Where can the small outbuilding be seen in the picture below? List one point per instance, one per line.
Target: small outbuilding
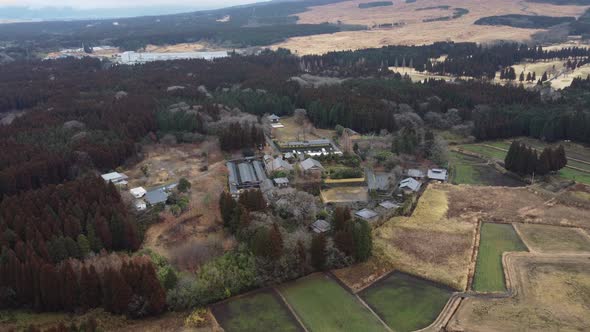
(274, 118)
(320, 226)
(389, 205)
(115, 178)
(438, 174)
(138, 192)
(156, 196)
(140, 205)
(366, 214)
(281, 182)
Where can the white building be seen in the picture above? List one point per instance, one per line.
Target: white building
(138, 192)
(438, 174)
(140, 205)
(115, 178)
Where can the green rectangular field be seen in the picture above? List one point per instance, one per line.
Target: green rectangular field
(260, 311)
(494, 241)
(406, 303)
(475, 171)
(485, 151)
(323, 305)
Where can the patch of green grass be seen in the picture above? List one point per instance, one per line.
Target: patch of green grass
(575, 175)
(406, 303)
(474, 171)
(485, 151)
(324, 305)
(262, 311)
(495, 240)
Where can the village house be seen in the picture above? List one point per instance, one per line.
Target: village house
(245, 174)
(118, 179)
(415, 174)
(438, 174)
(410, 185)
(274, 118)
(140, 205)
(311, 166)
(277, 165)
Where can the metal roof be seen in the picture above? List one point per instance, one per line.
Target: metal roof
(114, 177)
(259, 170)
(437, 174)
(310, 163)
(246, 173)
(366, 214)
(411, 184)
(415, 173)
(320, 226)
(138, 192)
(156, 196)
(389, 205)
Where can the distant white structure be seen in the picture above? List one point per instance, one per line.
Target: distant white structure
(438, 174)
(115, 178)
(137, 57)
(138, 192)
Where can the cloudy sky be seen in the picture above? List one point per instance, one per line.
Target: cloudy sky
(93, 4)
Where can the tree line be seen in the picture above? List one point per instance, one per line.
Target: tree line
(525, 160)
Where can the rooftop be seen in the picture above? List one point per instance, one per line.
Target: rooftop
(114, 177)
(156, 196)
(411, 184)
(138, 192)
(437, 174)
(389, 205)
(281, 181)
(310, 163)
(320, 226)
(366, 214)
(415, 173)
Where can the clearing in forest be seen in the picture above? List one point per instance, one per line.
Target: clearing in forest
(429, 244)
(259, 311)
(494, 241)
(323, 305)
(406, 303)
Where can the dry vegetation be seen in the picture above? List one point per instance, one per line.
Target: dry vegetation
(552, 293)
(345, 195)
(508, 205)
(294, 131)
(361, 275)
(197, 235)
(413, 31)
(429, 244)
(182, 48)
(553, 239)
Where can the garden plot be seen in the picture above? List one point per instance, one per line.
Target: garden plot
(345, 194)
(494, 241)
(475, 171)
(260, 311)
(323, 305)
(429, 244)
(554, 239)
(552, 294)
(406, 303)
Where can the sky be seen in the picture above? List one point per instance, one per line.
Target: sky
(94, 4)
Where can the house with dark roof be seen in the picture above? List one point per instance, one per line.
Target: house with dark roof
(245, 174)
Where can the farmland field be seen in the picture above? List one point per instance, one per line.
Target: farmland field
(495, 240)
(345, 194)
(406, 303)
(429, 244)
(554, 239)
(552, 294)
(323, 305)
(261, 311)
(474, 171)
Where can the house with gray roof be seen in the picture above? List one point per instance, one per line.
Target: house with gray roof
(245, 174)
(156, 196)
(410, 185)
(416, 174)
(389, 205)
(311, 165)
(115, 178)
(367, 215)
(274, 118)
(281, 182)
(438, 174)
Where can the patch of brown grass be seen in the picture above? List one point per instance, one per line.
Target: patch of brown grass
(413, 31)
